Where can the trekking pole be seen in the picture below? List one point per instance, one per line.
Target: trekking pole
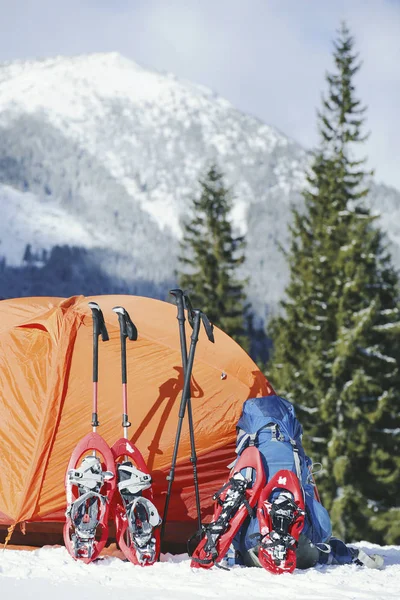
(127, 329)
(209, 331)
(179, 298)
(99, 328)
(195, 317)
(181, 303)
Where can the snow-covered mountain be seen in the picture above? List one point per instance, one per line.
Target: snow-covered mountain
(97, 152)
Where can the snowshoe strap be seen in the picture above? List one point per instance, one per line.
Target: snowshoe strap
(217, 495)
(236, 482)
(234, 498)
(197, 534)
(284, 511)
(131, 479)
(89, 476)
(143, 517)
(205, 561)
(222, 567)
(84, 512)
(277, 544)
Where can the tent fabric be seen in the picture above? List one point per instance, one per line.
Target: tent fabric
(46, 400)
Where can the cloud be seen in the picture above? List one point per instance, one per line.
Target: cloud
(268, 57)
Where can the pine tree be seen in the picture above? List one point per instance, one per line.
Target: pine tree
(334, 353)
(360, 405)
(210, 256)
(28, 256)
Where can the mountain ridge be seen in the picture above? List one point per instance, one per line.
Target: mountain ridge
(118, 149)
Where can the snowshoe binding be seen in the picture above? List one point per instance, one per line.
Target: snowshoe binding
(234, 502)
(89, 490)
(281, 516)
(137, 519)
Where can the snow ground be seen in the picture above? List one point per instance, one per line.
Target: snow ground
(50, 572)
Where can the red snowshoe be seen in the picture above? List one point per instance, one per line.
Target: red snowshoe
(90, 487)
(136, 518)
(281, 515)
(234, 502)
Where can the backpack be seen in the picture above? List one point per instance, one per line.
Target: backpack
(268, 513)
(270, 424)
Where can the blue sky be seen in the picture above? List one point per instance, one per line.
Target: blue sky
(268, 57)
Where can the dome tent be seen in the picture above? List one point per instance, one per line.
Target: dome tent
(45, 403)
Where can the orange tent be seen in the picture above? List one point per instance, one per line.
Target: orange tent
(46, 391)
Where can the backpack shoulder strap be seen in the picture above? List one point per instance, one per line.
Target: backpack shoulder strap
(296, 457)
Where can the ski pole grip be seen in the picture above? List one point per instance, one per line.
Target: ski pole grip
(190, 310)
(122, 324)
(179, 297)
(126, 326)
(99, 326)
(208, 326)
(196, 314)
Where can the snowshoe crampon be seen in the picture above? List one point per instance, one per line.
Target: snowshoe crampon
(136, 518)
(234, 502)
(89, 488)
(281, 517)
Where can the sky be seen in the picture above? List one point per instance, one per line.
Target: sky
(268, 57)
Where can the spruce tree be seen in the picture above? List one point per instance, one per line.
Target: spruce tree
(362, 402)
(210, 256)
(335, 355)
